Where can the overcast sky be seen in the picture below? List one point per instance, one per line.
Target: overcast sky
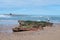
(30, 7)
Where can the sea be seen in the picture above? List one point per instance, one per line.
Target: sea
(10, 21)
(52, 18)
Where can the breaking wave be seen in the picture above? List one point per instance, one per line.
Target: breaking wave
(5, 16)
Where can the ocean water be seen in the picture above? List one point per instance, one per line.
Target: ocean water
(52, 18)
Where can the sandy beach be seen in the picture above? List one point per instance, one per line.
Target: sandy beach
(52, 33)
(29, 19)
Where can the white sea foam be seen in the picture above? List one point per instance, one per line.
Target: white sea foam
(36, 16)
(5, 16)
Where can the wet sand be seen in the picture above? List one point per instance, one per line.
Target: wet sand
(52, 33)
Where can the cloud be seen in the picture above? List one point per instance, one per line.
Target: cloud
(29, 6)
(21, 3)
(13, 3)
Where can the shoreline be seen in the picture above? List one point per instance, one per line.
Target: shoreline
(6, 27)
(52, 33)
(17, 21)
(11, 24)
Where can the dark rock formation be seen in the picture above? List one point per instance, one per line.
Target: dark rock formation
(31, 25)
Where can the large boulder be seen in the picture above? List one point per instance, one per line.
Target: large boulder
(31, 25)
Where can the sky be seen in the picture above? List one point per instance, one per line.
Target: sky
(30, 7)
